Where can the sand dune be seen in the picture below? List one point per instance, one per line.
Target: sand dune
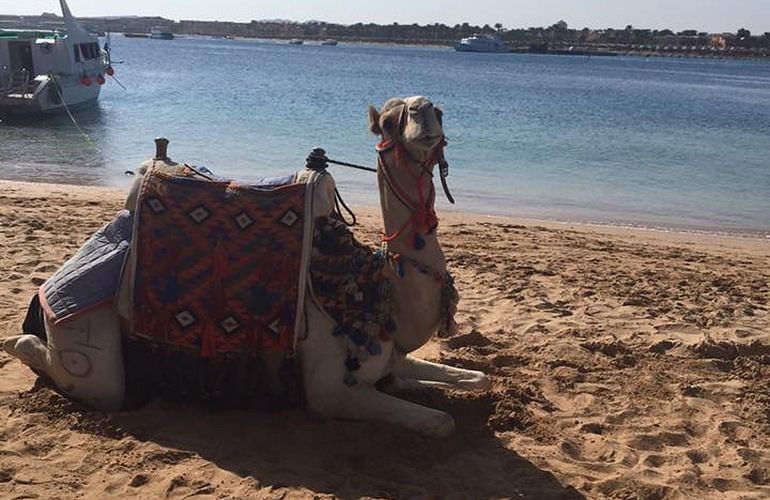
(626, 364)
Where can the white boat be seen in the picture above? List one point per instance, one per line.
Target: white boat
(296, 41)
(480, 43)
(329, 42)
(50, 71)
(158, 33)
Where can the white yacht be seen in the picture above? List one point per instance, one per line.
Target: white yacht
(50, 71)
(159, 33)
(480, 43)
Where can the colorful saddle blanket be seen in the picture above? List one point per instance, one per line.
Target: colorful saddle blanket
(220, 268)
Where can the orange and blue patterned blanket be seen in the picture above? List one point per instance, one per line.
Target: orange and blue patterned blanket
(219, 266)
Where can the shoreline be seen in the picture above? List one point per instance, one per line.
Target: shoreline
(760, 236)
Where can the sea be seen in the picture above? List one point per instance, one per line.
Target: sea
(663, 143)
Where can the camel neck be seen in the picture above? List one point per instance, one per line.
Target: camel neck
(403, 187)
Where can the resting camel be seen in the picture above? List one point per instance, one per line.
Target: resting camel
(84, 357)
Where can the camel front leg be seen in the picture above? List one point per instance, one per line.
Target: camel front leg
(433, 374)
(364, 402)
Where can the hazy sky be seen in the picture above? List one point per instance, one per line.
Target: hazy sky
(706, 15)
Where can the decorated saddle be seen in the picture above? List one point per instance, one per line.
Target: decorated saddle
(220, 267)
(214, 286)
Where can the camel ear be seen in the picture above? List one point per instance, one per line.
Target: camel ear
(374, 121)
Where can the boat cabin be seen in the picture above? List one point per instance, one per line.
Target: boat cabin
(27, 54)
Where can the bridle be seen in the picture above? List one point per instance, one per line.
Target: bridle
(422, 217)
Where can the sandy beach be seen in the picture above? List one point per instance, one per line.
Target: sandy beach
(626, 364)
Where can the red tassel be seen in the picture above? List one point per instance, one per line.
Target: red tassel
(218, 271)
(209, 341)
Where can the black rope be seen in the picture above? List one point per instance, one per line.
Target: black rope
(351, 165)
(443, 168)
(339, 201)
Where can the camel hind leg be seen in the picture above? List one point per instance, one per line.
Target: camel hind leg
(30, 350)
(82, 356)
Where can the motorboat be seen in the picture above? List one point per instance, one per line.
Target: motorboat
(329, 41)
(296, 41)
(51, 71)
(480, 43)
(160, 34)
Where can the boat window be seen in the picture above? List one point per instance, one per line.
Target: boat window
(77, 52)
(89, 50)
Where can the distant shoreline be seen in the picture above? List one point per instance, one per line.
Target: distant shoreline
(578, 51)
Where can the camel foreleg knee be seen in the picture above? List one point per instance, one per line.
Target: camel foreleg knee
(364, 402)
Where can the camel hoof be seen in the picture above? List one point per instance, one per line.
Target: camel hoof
(475, 381)
(11, 345)
(28, 349)
(441, 426)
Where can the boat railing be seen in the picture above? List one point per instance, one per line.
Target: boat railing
(6, 77)
(15, 81)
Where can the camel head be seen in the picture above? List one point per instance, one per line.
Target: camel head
(412, 122)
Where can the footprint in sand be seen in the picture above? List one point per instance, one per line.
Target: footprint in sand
(655, 461)
(735, 431)
(697, 456)
(475, 338)
(658, 442)
(139, 480)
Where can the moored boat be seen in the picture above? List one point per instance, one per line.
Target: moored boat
(329, 41)
(160, 34)
(50, 71)
(480, 43)
(296, 41)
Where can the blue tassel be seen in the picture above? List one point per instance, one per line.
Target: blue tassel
(374, 347)
(359, 338)
(350, 379)
(419, 241)
(352, 364)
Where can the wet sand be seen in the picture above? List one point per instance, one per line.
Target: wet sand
(626, 364)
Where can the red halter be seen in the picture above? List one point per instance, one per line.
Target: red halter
(423, 218)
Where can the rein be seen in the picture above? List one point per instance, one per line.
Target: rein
(317, 160)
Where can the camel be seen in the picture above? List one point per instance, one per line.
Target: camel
(84, 359)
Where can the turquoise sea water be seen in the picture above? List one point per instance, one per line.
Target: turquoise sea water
(656, 142)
